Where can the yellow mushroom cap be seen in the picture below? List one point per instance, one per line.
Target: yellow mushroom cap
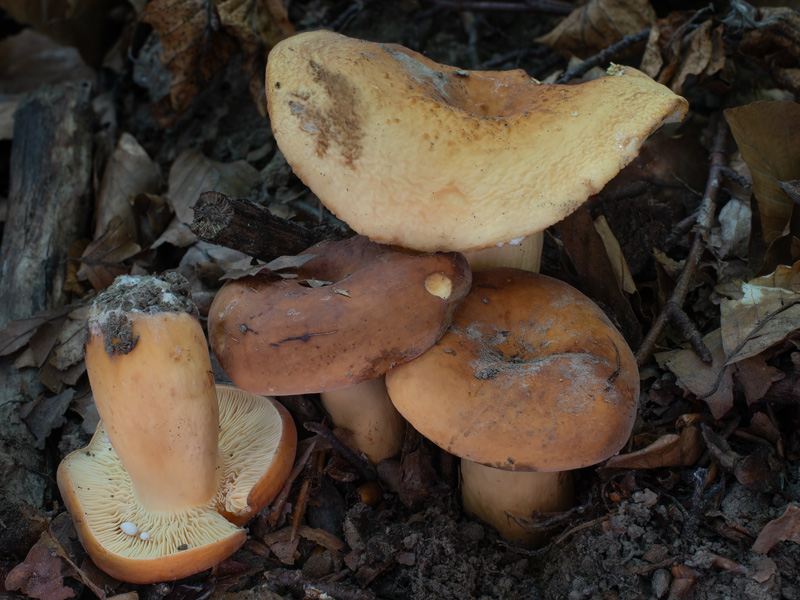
(431, 157)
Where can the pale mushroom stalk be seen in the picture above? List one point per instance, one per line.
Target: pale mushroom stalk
(367, 412)
(523, 253)
(156, 396)
(507, 500)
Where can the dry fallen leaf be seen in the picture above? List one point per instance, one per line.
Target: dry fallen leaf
(18, 333)
(129, 172)
(597, 25)
(103, 258)
(730, 239)
(755, 377)
(39, 576)
(678, 48)
(194, 49)
(45, 338)
(670, 450)
(615, 256)
(768, 136)
(755, 471)
(275, 266)
(762, 317)
(153, 214)
(785, 527)
(83, 24)
(45, 414)
(775, 45)
(587, 251)
(71, 338)
(192, 174)
(199, 37)
(257, 25)
(703, 55)
(711, 383)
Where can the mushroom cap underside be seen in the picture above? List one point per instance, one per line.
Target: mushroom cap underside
(347, 316)
(432, 157)
(530, 376)
(257, 445)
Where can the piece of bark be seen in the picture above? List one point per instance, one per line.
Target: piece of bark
(247, 227)
(49, 197)
(49, 208)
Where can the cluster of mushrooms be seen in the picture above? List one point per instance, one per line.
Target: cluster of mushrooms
(433, 315)
(434, 312)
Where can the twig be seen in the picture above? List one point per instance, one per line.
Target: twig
(294, 580)
(683, 227)
(553, 7)
(280, 500)
(344, 19)
(578, 528)
(698, 480)
(252, 229)
(672, 311)
(681, 320)
(514, 57)
(735, 177)
(363, 466)
(605, 55)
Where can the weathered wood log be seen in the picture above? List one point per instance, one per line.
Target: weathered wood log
(49, 208)
(247, 227)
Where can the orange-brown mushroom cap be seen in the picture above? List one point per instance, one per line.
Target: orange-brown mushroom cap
(432, 157)
(377, 308)
(531, 376)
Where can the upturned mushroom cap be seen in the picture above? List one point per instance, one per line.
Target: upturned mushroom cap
(376, 308)
(432, 157)
(531, 376)
(257, 445)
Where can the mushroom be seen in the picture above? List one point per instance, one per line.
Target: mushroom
(432, 157)
(530, 381)
(176, 465)
(341, 320)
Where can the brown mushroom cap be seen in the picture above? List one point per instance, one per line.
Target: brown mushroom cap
(378, 308)
(531, 376)
(257, 444)
(431, 157)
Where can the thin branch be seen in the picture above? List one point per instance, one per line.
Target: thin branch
(604, 56)
(362, 465)
(705, 219)
(316, 590)
(553, 7)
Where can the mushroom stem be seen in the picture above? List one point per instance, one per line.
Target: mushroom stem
(151, 378)
(506, 500)
(366, 410)
(525, 253)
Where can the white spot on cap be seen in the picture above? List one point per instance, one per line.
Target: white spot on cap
(439, 285)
